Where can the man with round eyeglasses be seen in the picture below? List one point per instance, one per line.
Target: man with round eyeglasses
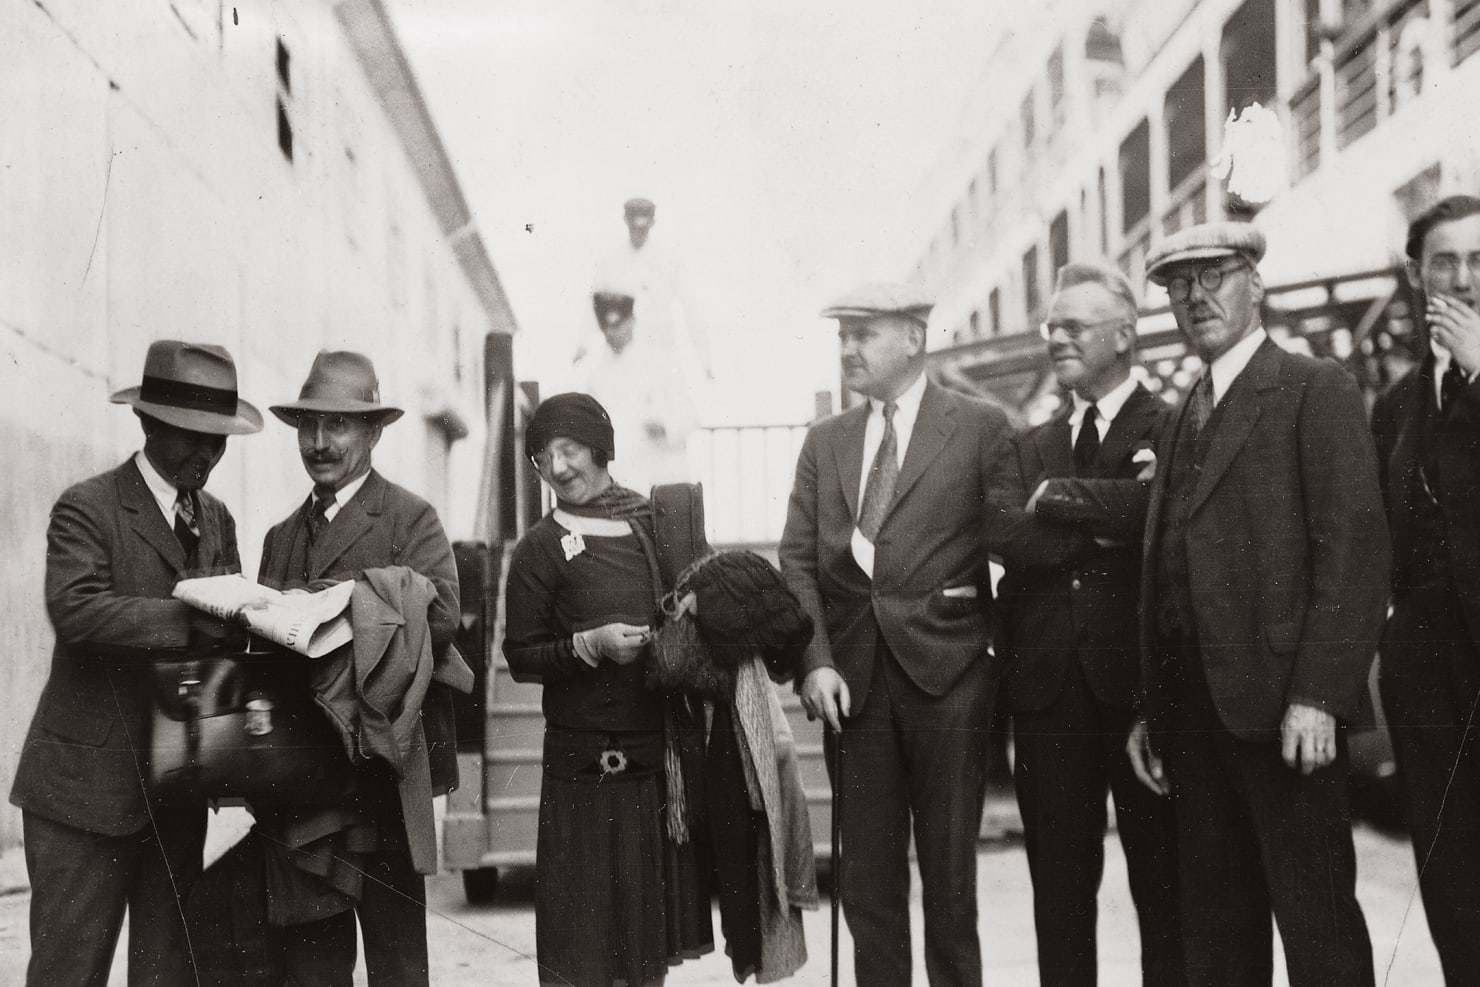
(1427, 428)
(1179, 289)
(1264, 577)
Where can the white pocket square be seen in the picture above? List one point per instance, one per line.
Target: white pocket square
(959, 592)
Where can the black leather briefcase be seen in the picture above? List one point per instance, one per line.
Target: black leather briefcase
(245, 725)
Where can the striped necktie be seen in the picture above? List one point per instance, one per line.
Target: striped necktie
(882, 476)
(187, 528)
(318, 518)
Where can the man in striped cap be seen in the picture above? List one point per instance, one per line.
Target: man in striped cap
(1264, 577)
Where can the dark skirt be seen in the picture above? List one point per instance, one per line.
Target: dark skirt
(616, 903)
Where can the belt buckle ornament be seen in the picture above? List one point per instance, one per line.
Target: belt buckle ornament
(612, 761)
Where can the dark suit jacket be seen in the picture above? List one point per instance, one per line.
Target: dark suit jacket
(932, 538)
(1065, 598)
(111, 563)
(1396, 423)
(1287, 548)
(383, 524)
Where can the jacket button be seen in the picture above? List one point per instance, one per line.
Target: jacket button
(1076, 584)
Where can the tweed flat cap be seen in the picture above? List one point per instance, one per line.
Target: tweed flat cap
(1205, 241)
(882, 298)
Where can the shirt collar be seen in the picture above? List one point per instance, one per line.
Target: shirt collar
(163, 491)
(1226, 368)
(1106, 407)
(1441, 359)
(347, 492)
(907, 404)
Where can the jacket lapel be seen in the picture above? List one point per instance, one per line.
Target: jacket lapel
(210, 550)
(1055, 446)
(348, 526)
(1136, 417)
(1242, 406)
(145, 517)
(848, 454)
(933, 426)
(1411, 399)
(1166, 445)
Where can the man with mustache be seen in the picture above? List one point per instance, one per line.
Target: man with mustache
(96, 846)
(354, 519)
(885, 547)
(1263, 583)
(1069, 501)
(1427, 427)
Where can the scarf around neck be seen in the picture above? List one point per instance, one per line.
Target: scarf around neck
(615, 502)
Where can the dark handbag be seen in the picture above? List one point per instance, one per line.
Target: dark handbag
(245, 725)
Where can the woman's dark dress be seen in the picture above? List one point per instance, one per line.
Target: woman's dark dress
(616, 902)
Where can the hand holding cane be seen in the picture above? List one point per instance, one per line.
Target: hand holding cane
(837, 845)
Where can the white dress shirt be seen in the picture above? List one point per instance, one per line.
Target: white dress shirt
(1106, 408)
(906, 410)
(344, 495)
(1442, 359)
(163, 491)
(1226, 368)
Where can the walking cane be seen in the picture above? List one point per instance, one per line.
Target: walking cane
(837, 845)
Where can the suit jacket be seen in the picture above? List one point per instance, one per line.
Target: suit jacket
(1397, 422)
(111, 563)
(383, 524)
(1065, 597)
(933, 538)
(1287, 548)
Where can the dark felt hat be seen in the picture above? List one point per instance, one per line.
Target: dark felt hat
(191, 386)
(571, 415)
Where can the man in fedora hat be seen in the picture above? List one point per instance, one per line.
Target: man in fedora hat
(117, 544)
(885, 546)
(1264, 574)
(354, 519)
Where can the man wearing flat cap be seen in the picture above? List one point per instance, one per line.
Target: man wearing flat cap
(96, 846)
(884, 546)
(1263, 584)
(355, 519)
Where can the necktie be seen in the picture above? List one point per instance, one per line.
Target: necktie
(1451, 386)
(187, 530)
(318, 518)
(1202, 401)
(1087, 442)
(879, 490)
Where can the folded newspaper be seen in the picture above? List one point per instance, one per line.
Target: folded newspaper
(312, 624)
